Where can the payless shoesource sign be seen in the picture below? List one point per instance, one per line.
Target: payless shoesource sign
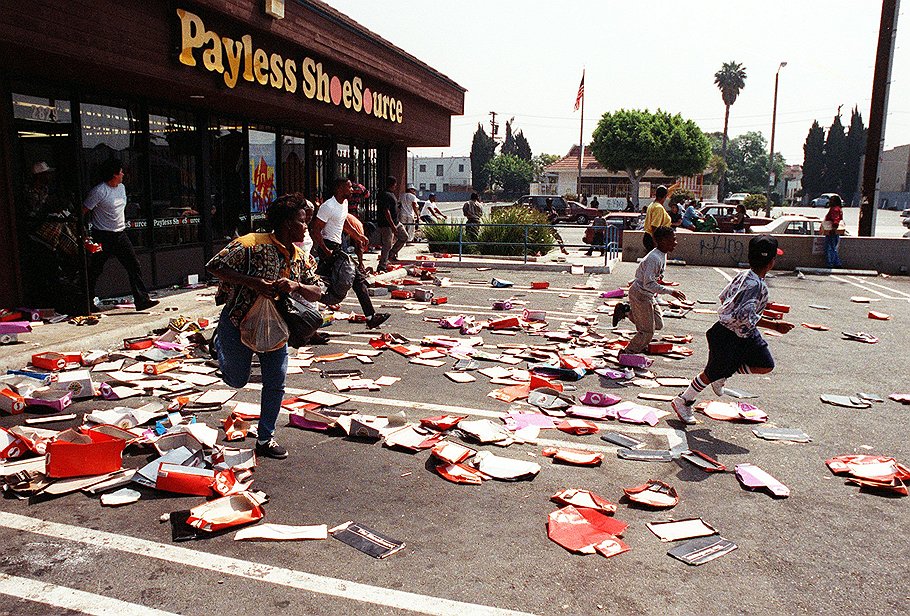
(239, 59)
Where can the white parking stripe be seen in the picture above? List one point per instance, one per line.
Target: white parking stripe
(480, 312)
(727, 276)
(260, 572)
(863, 287)
(547, 291)
(881, 286)
(71, 599)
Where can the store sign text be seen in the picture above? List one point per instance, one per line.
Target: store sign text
(239, 59)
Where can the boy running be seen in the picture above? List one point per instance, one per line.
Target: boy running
(734, 342)
(642, 308)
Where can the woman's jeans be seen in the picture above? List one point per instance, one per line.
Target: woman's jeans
(235, 359)
(831, 242)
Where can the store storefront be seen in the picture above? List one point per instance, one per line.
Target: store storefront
(214, 108)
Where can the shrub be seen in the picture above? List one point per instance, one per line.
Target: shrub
(755, 202)
(510, 240)
(442, 237)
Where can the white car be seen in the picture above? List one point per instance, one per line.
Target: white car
(821, 200)
(791, 224)
(736, 198)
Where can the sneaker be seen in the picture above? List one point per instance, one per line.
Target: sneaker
(150, 303)
(620, 312)
(683, 409)
(212, 351)
(271, 449)
(718, 387)
(377, 319)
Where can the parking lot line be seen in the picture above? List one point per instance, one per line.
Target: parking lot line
(726, 276)
(479, 312)
(863, 287)
(260, 572)
(66, 598)
(881, 286)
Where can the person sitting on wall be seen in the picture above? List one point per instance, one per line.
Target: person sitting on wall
(691, 217)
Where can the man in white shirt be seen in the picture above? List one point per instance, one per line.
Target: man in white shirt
(430, 213)
(407, 210)
(106, 204)
(340, 276)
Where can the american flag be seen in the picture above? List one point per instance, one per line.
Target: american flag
(581, 91)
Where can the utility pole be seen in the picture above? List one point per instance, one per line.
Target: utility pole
(875, 137)
(772, 178)
(493, 125)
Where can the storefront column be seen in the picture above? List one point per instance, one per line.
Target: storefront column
(10, 280)
(398, 165)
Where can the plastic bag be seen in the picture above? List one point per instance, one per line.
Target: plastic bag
(262, 329)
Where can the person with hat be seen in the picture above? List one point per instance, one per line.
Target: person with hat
(429, 212)
(735, 345)
(407, 211)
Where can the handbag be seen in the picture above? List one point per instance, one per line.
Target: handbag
(262, 329)
(301, 317)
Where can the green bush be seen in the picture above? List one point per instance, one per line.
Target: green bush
(510, 240)
(442, 237)
(755, 202)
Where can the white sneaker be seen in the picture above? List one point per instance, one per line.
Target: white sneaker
(683, 409)
(718, 387)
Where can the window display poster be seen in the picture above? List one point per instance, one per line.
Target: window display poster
(262, 170)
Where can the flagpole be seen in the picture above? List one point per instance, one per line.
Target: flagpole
(581, 140)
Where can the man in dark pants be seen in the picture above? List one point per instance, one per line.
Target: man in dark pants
(106, 203)
(328, 227)
(392, 233)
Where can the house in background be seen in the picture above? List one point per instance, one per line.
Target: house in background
(449, 177)
(894, 189)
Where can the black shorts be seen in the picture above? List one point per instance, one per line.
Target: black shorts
(727, 352)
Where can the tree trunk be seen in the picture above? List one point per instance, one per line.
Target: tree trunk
(722, 183)
(634, 181)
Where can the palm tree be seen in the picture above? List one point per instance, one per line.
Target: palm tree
(730, 79)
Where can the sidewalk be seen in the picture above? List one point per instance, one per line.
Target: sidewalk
(115, 325)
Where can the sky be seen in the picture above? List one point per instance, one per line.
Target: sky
(524, 59)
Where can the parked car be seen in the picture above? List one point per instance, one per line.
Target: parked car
(736, 198)
(791, 224)
(821, 200)
(724, 214)
(906, 221)
(905, 214)
(621, 221)
(567, 211)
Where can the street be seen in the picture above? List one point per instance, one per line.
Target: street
(828, 548)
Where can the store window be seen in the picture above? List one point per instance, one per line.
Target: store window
(263, 189)
(319, 154)
(423, 186)
(172, 159)
(432, 187)
(343, 161)
(230, 203)
(460, 168)
(423, 168)
(439, 171)
(113, 131)
(293, 164)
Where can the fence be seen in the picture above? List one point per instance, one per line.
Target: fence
(468, 236)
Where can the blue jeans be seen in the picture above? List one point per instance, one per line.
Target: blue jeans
(235, 359)
(831, 242)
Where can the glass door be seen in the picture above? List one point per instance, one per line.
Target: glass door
(46, 176)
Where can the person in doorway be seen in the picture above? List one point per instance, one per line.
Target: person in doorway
(359, 195)
(407, 211)
(106, 204)
(832, 227)
(642, 308)
(430, 213)
(335, 267)
(656, 216)
(473, 212)
(553, 218)
(262, 264)
(734, 343)
(390, 229)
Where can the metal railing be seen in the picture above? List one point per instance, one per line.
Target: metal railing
(468, 234)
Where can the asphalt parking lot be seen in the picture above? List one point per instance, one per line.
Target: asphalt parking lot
(477, 549)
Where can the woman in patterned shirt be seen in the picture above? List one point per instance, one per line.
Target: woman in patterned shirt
(262, 264)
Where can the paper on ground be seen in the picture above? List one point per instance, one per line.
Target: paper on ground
(282, 532)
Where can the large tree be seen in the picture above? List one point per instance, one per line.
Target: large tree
(635, 141)
(522, 147)
(835, 156)
(541, 162)
(730, 80)
(483, 148)
(747, 163)
(813, 162)
(512, 175)
(508, 144)
(855, 148)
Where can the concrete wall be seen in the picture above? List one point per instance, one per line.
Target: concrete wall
(883, 254)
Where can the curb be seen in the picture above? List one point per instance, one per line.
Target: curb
(822, 271)
(512, 266)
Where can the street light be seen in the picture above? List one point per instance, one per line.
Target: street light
(771, 177)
